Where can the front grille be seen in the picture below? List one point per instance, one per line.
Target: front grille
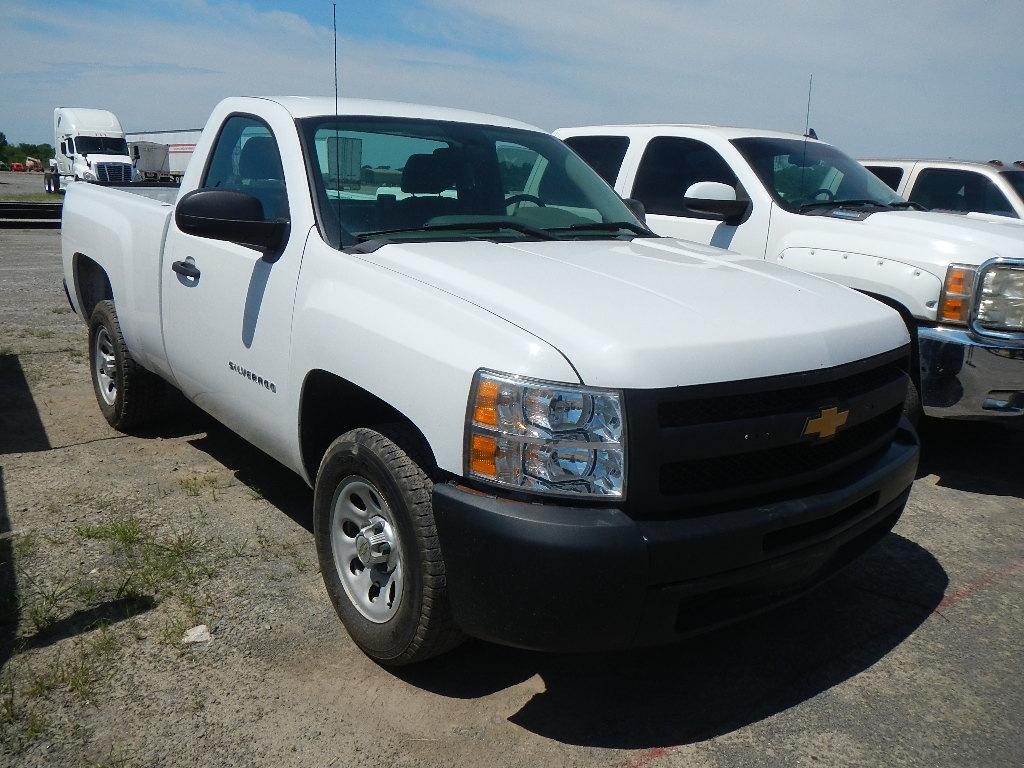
(680, 413)
(796, 460)
(709, 448)
(114, 173)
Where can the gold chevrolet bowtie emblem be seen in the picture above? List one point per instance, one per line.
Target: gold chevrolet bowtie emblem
(827, 423)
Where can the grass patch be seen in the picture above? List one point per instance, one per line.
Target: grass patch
(194, 485)
(126, 531)
(31, 197)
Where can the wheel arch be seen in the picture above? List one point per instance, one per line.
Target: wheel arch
(92, 284)
(911, 322)
(330, 405)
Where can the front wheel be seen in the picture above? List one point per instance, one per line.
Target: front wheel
(378, 547)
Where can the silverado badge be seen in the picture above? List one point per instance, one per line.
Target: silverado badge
(826, 424)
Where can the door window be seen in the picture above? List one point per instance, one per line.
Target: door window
(603, 153)
(246, 159)
(669, 167)
(890, 175)
(945, 189)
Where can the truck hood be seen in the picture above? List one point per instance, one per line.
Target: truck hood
(657, 312)
(928, 240)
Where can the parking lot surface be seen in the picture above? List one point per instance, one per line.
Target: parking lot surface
(112, 546)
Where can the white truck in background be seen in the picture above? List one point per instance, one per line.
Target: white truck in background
(90, 146)
(958, 281)
(526, 417)
(162, 155)
(991, 190)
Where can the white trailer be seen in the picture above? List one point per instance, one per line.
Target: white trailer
(179, 143)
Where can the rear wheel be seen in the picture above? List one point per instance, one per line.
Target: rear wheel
(129, 396)
(378, 547)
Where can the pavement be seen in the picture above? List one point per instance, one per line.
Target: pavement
(912, 656)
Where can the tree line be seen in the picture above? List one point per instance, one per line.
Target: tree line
(16, 153)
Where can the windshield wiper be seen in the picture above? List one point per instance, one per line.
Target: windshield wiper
(841, 204)
(601, 226)
(526, 229)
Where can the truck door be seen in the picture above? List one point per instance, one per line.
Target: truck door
(670, 165)
(226, 310)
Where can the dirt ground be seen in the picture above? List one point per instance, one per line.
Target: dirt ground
(111, 547)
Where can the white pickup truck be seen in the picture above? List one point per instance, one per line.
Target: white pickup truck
(526, 418)
(957, 281)
(986, 189)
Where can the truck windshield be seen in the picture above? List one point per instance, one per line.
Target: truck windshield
(100, 145)
(807, 176)
(399, 179)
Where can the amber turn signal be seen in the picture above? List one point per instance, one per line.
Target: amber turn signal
(955, 301)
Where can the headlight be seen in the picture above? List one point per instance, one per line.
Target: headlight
(89, 176)
(547, 437)
(1001, 298)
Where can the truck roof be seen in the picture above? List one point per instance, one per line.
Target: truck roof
(945, 163)
(317, 106)
(690, 129)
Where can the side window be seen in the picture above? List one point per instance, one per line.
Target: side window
(246, 158)
(64, 147)
(946, 189)
(889, 175)
(603, 153)
(669, 167)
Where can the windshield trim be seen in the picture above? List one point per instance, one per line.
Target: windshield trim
(343, 240)
(799, 208)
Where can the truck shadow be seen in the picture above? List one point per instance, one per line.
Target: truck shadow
(22, 429)
(973, 456)
(716, 683)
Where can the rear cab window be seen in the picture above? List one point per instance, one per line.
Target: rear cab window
(603, 153)
(891, 176)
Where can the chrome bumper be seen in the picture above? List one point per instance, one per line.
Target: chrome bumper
(966, 376)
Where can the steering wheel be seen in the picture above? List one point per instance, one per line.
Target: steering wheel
(829, 199)
(523, 197)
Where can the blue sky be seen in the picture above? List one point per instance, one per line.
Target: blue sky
(918, 77)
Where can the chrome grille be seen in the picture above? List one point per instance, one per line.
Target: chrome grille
(115, 173)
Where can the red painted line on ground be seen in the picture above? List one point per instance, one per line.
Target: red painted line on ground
(986, 580)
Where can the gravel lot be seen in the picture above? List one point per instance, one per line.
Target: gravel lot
(16, 185)
(112, 546)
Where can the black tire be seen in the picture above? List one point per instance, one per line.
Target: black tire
(421, 626)
(48, 184)
(138, 396)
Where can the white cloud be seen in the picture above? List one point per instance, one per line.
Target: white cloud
(917, 77)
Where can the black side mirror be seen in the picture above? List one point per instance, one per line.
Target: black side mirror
(731, 212)
(226, 214)
(636, 208)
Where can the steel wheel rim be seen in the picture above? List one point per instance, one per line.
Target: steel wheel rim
(106, 366)
(367, 553)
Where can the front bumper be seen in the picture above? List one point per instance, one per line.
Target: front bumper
(559, 578)
(967, 376)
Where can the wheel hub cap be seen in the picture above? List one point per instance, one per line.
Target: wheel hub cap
(367, 554)
(106, 366)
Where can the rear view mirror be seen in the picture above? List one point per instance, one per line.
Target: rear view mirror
(717, 200)
(226, 214)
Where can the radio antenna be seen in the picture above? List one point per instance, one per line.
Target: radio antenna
(807, 133)
(337, 138)
(807, 120)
